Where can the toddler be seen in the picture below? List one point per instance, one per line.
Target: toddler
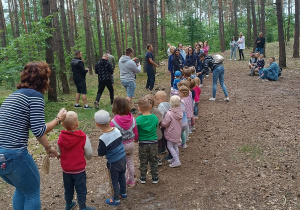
(260, 64)
(193, 72)
(172, 125)
(189, 106)
(186, 73)
(184, 92)
(176, 80)
(126, 124)
(111, 145)
(147, 124)
(197, 90)
(253, 62)
(73, 146)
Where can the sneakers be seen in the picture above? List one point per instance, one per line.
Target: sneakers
(201, 85)
(168, 157)
(207, 75)
(88, 208)
(112, 202)
(154, 180)
(170, 160)
(123, 196)
(159, 162)
(130, 184)
(87, 107)
(174, 165)
(96, 104)
(71, 206)
(77, 106)
(184, 146)
(143, 180)
(212, 99)
(162, 152)
(226, 99)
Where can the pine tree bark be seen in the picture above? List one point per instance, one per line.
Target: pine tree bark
(221, 27)
(289, 21)
(296, 33)
(87, 36)
(254, 24)
(163, 25)
(71, 23)
(2, 26)
(12, 22)
(131, 25)
(155, 30)
(115, 19)
(64, 25)
(52, 93)
(74, 21)
(282, 54)
(23, 15)
(248, 24)
(152, 22)
(60, 49)
(29, 19)
(144, 31)
(103, 15)
(107, 23)
(125, 20)
(35, 11)
(121, 22)
(235, 5)
(137, 25)
(16, 18)
(99, 28)
(263, 22)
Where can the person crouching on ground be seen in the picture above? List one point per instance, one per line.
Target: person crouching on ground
(126, 123)
(111, 145)
(172, 125)
(147, 124)
(73, 146)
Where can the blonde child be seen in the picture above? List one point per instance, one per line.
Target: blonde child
(197, 90)
(186, 73)
(126, 124)
(172, 125)
(188, 103)
(184, 92)
(193, 72)
(111, 145)
(147, 124)
(74, 146)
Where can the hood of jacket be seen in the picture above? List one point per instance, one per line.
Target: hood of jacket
(124, 59)
(176, 113)
(124, 122)
(68, 139)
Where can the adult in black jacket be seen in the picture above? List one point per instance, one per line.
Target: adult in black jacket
(79, 73)
(260, 43)
(178, 62)
(105, 71)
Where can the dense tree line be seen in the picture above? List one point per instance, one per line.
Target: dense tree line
(52, 30)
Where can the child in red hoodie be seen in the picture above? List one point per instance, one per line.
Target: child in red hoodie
(125, 122)
(74, 146)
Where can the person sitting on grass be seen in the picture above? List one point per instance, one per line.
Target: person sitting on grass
(259, 65)
(111, 145)
(253, 62)
(74, 146)
(270, 73)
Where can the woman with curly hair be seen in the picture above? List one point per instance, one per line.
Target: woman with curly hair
(23, 110)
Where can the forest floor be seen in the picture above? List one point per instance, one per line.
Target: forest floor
(243, 154)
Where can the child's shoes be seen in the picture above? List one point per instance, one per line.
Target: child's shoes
(123, 196)
(170, 160)
(71, 206)
(130, 183)
(112, 202)
(184, 146)
(154, 180)
(159, 162)
(143, 180)
(174, 165)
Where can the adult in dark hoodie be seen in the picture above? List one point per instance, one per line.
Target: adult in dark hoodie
(105, 71)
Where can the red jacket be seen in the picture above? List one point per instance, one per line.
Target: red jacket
(71, 145)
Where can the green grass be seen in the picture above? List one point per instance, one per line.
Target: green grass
(250, 150)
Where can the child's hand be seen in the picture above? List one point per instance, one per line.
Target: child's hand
(62, 114)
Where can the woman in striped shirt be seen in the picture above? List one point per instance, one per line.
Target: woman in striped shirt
(21, 111)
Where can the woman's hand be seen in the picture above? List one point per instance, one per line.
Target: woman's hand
(62, 114)
(52, 152)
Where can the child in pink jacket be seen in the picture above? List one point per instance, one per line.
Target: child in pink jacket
(172, 125)
(126, 124)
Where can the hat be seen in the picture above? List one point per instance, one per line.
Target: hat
(102, 117)
(177, 73)
(252, 54)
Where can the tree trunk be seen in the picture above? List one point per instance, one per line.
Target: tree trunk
(104, 23)
(235, 5)
(23, 15)
(74, 21)
(143, 24)
(254, 24)
(122, 29)
(87, 36)
(221, 27)
(296, 34)
(107, 21)
(64, 25)
(125, 20)
(52, 93)
(29, 16)
(289, 21)
(99, 28)
(155, 30)
(60, 49)
(152, 23)
(12, 22)
(137, 25)
(248, 24)
(263, 21)
(71, 23)
(131, 26)
(163, 27)
(16, 18)
(115, 19)
(2, 26)
(35, 11)
(282, 54)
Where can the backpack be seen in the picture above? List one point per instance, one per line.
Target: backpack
(279, 72)
(126, 134)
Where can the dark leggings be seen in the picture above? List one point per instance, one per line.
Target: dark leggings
(241, 54)
(101, 86)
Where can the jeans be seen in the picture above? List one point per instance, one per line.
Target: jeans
(150, 79)
(218, 74)
(79, 182)
(101, 86)
(196, 109)
(117, 173)
(233, 52)
(22, 173)
(129, 87)
(260, 50)
(172, 77)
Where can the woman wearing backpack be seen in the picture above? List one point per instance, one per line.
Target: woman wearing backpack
(126, 124)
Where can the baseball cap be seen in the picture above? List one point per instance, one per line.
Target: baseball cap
(177, 73)
(102, 117)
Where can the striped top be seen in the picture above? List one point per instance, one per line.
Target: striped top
(21, 111)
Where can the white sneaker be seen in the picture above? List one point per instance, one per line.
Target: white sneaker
(226, 99)
(172, 88)
(207, 75)
(212, 99)
(200, 85)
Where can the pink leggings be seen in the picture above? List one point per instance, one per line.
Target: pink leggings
(129, 147)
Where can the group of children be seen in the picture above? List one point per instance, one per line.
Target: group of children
(256, 63)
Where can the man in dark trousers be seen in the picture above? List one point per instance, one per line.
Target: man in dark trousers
(111, 60)
(79, 73)
(105, 71)
(260, 43)
(149, 63)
